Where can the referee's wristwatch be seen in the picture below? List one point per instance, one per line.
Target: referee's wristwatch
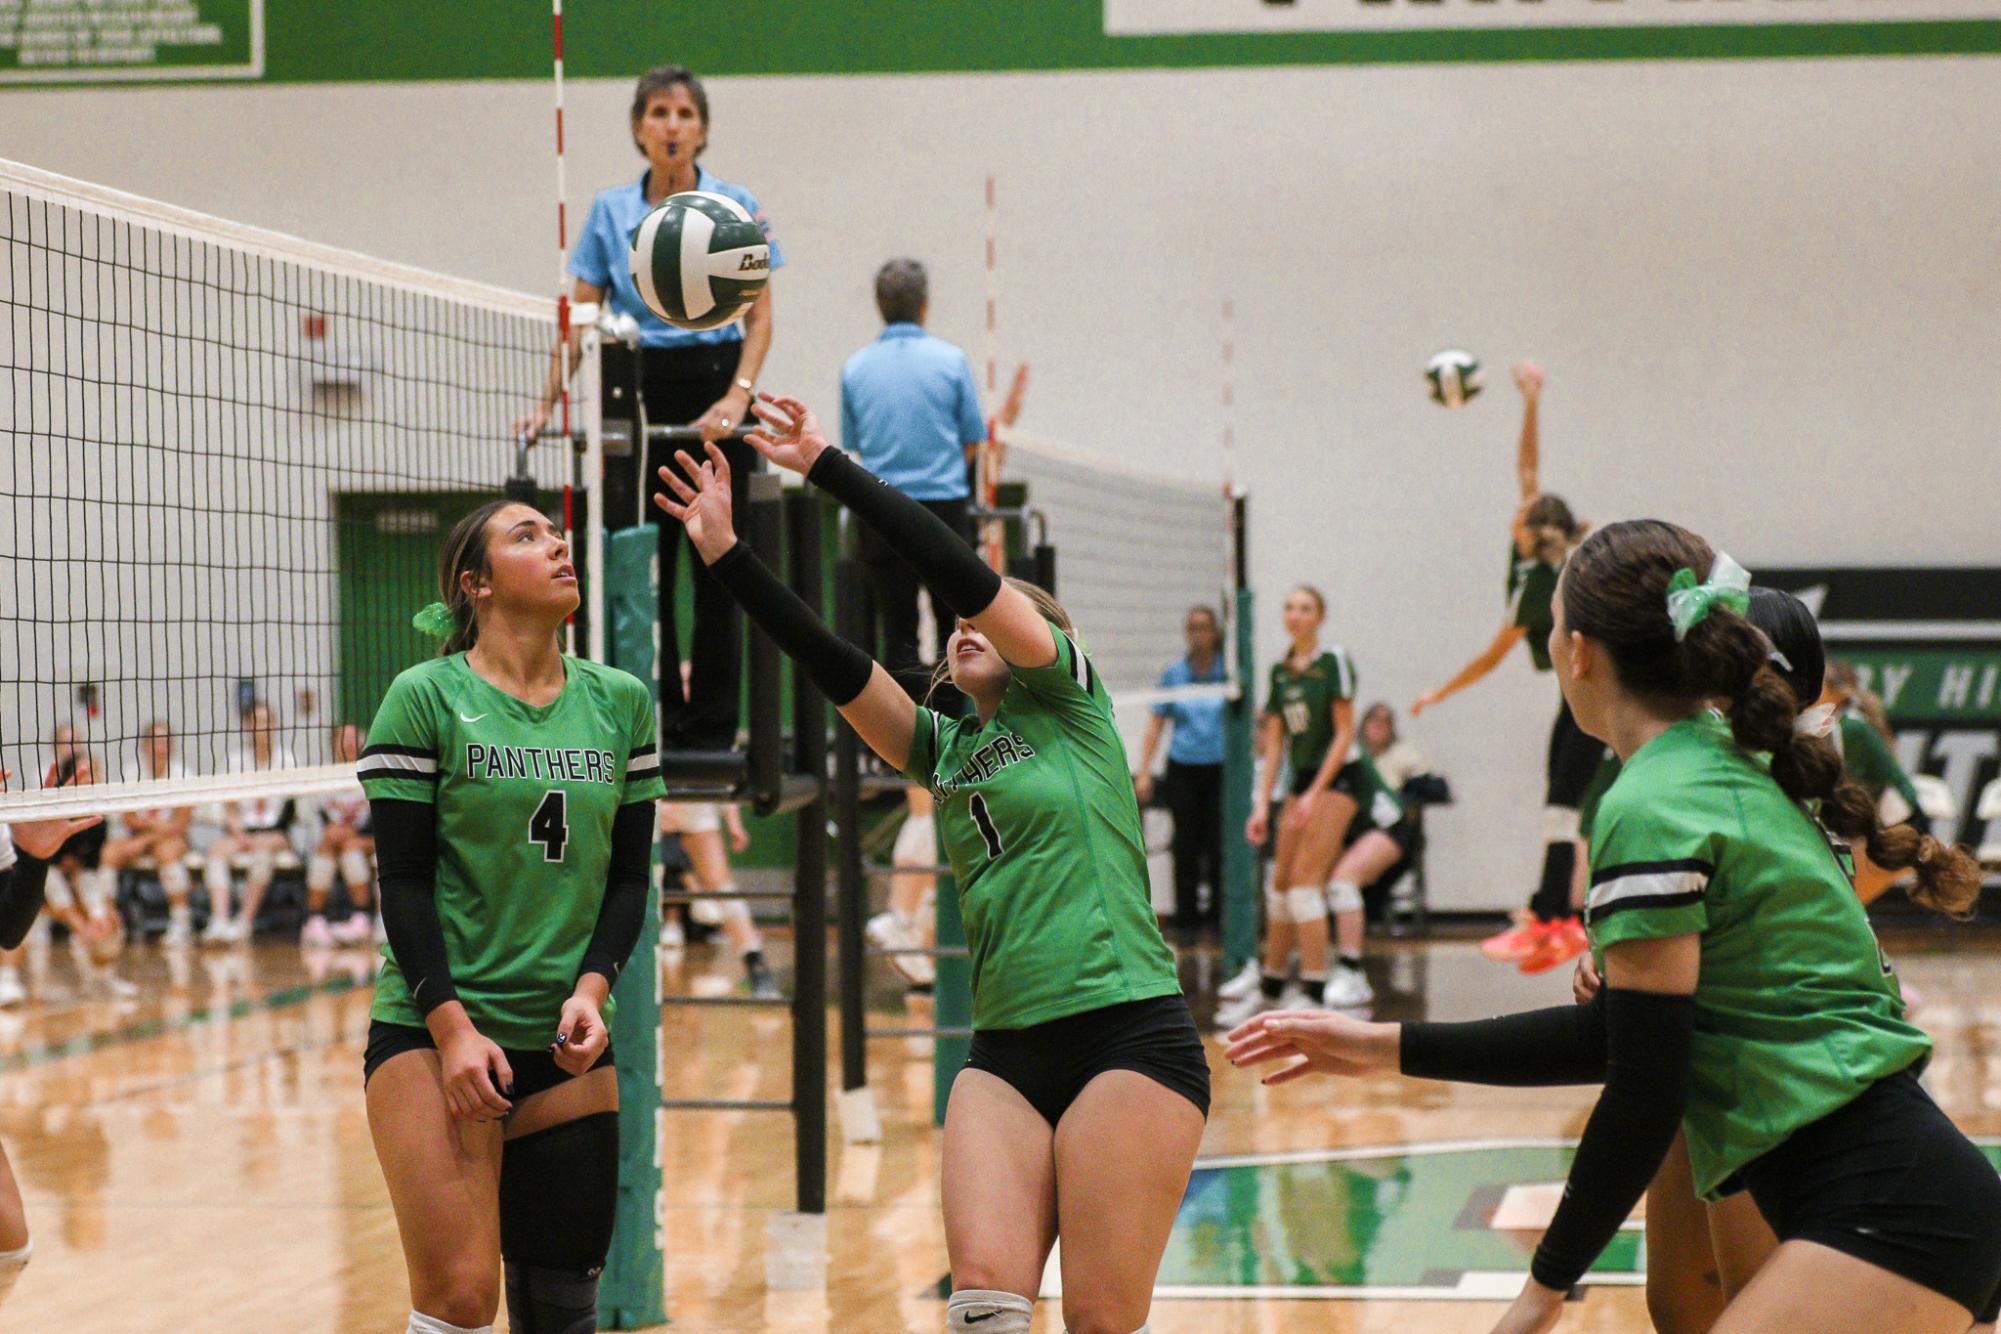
(745, 385)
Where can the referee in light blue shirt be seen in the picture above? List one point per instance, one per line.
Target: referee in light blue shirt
(910, 408)
(687, 377)
(1193, 783)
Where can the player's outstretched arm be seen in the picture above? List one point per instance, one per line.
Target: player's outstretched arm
(1490, 658)
(698, 496)
(790, 436)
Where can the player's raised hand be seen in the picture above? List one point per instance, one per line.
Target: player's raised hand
(1529, 378)
(698, 496)
(788, 433)
(1318, 1043)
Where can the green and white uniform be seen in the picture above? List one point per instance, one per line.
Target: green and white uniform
(1037, 815)
(1531, 595)
(1797, 1009)
(525, 799)
(1303, 701)
(1376, 805)
(1870, 762)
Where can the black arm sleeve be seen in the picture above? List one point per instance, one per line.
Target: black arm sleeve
(623, 912)
(21, 888)
(406, 868)
(1649, 1040)
(838, 668)
(949, 567)
(1561, 1045)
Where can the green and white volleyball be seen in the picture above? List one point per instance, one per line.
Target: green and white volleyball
(1454, 377)
(699, 260)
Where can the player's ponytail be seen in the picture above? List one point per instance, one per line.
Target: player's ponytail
(464, 551)
(1615, 591)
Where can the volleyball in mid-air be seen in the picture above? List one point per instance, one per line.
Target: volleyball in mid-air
(1454, 377)
(699, 260)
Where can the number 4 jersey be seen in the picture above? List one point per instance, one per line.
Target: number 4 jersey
(525, 798)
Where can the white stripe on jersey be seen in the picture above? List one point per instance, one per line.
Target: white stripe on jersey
(1646, 885)
(389, 766)
(1079, 669)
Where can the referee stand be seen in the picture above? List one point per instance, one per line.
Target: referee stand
(773, 782)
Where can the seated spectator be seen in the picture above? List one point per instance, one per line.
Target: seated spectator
(159, 833)
(1397, 760)
(256, 829)
(347, 843)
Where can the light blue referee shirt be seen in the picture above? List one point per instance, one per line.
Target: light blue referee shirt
(909, 407)
(600, 257)
(1198, 723)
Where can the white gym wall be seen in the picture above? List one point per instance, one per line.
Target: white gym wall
(1766, 292)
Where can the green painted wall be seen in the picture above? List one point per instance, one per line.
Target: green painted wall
(307, 41)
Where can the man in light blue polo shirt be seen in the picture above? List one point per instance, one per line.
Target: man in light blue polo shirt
(1193, 783)
(910, 408)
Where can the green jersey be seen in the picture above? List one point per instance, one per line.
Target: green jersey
(525, 798)
(1870, 762)
(1531, 595)
(1304, 702)
(1797, 1010)
(1037, 815)
(1376, 806)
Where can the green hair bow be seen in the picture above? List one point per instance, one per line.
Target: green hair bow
(1689, 603)
(435, 621)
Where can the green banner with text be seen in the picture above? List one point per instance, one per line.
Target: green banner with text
(81, 41)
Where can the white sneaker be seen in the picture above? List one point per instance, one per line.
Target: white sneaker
(1244, 983)
(117, 987)
(238, 930)
(672, 935)
(1245, 1008)
(888, 931)
(316, 934)
(217, 931)
(12, 993)
(1347, 989)
(356, 930)
(706, 912)
(179, 934)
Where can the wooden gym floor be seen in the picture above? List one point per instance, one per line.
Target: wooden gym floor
(199, 1160)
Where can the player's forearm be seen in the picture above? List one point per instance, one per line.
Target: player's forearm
(406, 866)
(839, 669)
(1472, 672)
(1564, 1044)
(1268, 767)
(1150, 744)
(951, 569)
(623, 913)
(1528, 451)
(757, 329)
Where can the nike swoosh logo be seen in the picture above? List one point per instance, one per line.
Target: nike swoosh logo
(464, 719)
(976, 1319)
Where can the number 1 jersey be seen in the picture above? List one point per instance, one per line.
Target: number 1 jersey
(525, 799)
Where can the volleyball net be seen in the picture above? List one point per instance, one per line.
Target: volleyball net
(231, 457)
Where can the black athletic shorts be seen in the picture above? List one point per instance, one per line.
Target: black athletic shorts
(534, 1071)
(1049, 1064)
(1889, 1180)
(1348, 781)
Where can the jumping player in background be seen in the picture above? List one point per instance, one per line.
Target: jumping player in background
(1308, 732)
(700, 825)
(1862, 734)
(1744, 999)
(512, 793)
(25, 850)
(1083, 1102)
(258, 829)
(346, 844)
(1545, 530)
(160, 833)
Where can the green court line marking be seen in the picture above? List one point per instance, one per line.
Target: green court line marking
(90, 1043)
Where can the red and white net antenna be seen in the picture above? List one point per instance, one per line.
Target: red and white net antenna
(562, 267)
(992, 453)
(1233, 542)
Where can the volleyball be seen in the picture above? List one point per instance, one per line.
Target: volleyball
(1454, 377)
(699, 260)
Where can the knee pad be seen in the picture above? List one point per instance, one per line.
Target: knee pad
(430, 1324)
(981, 1311)
(175, 880)
(558, 1196)
(1560, 824)
(1343, 896)
(99, 888)
(320, 873)
(1275, 909)
(260, 867)
(11, 1265)
(1305, 904)
(354, 867)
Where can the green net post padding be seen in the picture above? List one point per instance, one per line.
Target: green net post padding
(632, 1290)
(952, 996)
(1240, 888)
